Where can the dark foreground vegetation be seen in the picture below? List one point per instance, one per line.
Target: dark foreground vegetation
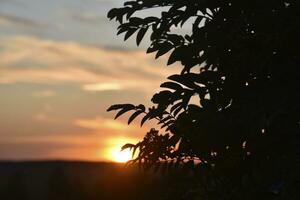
(89, 181)
(232, 112)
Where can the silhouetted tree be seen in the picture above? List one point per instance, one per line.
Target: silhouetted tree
(233, 111)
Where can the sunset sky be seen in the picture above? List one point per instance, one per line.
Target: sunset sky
(61, 66)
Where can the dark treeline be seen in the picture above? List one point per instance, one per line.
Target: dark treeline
(89, 181)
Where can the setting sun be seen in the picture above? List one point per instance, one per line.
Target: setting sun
(113, 150)
(121, 156)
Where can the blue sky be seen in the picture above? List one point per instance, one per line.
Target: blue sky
(63, 20)
(61, 66)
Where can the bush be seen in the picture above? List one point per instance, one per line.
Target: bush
(233, 110)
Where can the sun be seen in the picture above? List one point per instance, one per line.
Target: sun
(121, 156)
(112, 150)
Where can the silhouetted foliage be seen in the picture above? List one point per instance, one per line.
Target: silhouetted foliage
(233, 111)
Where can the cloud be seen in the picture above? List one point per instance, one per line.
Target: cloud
(103, 126)
(88, 79)
(47, 76)
(8, 20)
(88, 17)
(102, 87)
(100, 123)
(94, 68)
(44, 93)
(49, 147)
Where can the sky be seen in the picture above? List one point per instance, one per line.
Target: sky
(61, 67)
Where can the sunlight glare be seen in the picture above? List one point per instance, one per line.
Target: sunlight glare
(113, 150)
(121, 156)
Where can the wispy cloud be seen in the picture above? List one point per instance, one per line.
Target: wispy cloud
(8, 20)
(27, 59)
(104, 126)
(44, 93)
(88, 17)
(47, 76)
(61, 66)
(57, 92)
(51, 147)
(102, 87)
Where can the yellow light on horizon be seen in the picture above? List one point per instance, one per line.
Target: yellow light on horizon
(121, 156)
(113, 150)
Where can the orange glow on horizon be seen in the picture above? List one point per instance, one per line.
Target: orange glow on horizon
(113, 150)
(121, 156)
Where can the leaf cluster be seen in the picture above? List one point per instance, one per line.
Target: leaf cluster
(237, 96)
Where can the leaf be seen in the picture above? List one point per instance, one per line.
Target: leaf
(134, 115)
(125, 109)
(167, 124)
(127, 146)
(120, 18)
(112, 13)
(178, 109)
(186, 98)
(185, 18)
(135, 21)
(171, 128)
(175, 106)
(117, 106)
(165, 119)
(134, 149)
(163, 49)
(162, 97)
(122, 30)
(171, 85)
(145, 118)
(152, 49)
(141, 107)
(141, 34)
(129, 33)
(175, 56)
(150, 19)
(188, 79)
(175, 39)
(130, 13)
(130, 3)
(188, 38)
